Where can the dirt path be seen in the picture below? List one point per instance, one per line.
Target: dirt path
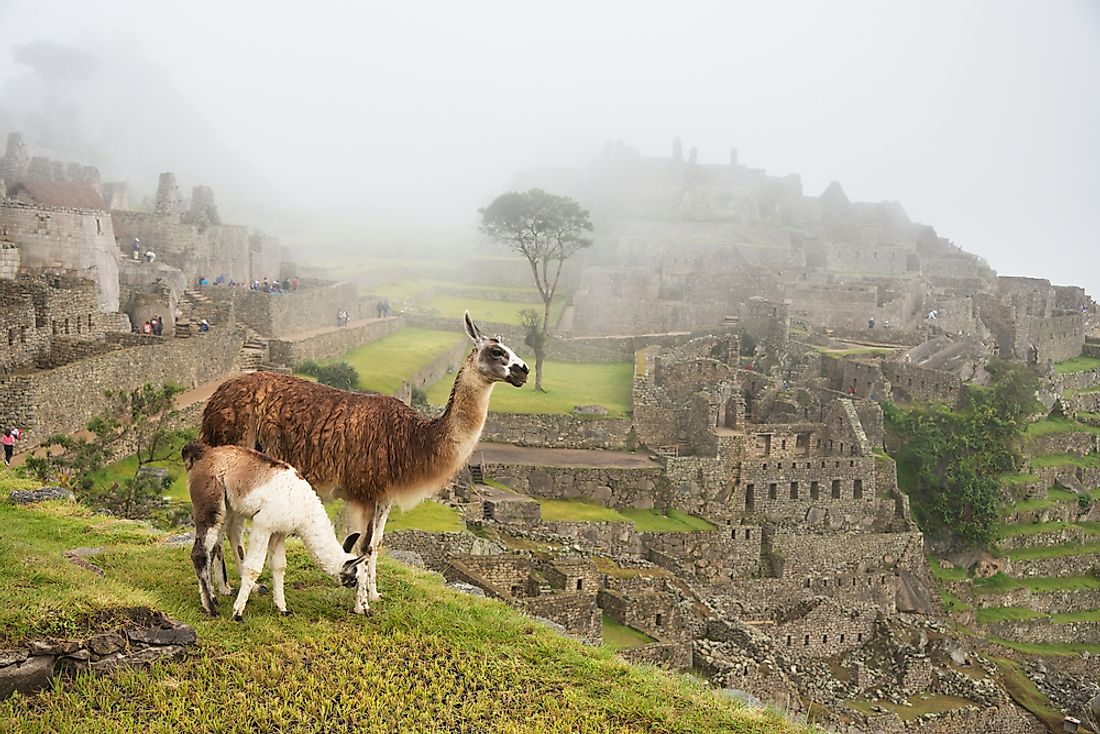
(501, 453)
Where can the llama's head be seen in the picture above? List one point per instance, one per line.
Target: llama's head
(353, 574)
(493, 359)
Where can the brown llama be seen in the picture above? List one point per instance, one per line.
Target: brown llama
(370, 450)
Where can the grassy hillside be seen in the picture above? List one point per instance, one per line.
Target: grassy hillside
(429, 660)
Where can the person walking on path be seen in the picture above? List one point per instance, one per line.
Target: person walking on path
(9, 446)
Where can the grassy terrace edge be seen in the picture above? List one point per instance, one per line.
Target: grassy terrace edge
(429, 660)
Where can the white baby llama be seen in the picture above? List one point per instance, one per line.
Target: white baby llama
(231, 484)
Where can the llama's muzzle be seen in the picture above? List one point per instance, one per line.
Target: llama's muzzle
(517, 374)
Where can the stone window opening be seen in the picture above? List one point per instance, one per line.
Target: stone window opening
(42, 224)
(788, 640)
(773, 491)
(836, 464)
(779, 465)
(842, 447)
(806, 641)
(836, 489)
(23, 334)
(802, 443)
(822, 464)
(11, 336)
(857, 489)
(659, 620)
(748, 534)
(783, 444)
(841, 638)
(824, 639)
(89, 322)
(859, 637)
(815, 490)
(807, 583)
(53, 327)
(66, 326)
(580, 584)
(794, 490)
(750, 499)
(98, 226)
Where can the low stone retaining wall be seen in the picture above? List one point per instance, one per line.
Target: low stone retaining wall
(611, 538)
(437, 548)
(1049, 602)
(613, 487)
(1078, 380)
(292, 351)
(559, 431)
(444, 364)
(1043, 631)
(670, 655)
(151, 636)
(1063, 443)
(1061, 566)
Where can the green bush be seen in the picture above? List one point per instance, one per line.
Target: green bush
(339, 375)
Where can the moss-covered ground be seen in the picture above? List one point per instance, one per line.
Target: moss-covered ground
(653, 521)
(567, 384)
(617, 636)
(1077, 364)
(429, 659)
(383, 365)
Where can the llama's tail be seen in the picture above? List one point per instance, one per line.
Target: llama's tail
(192, 452)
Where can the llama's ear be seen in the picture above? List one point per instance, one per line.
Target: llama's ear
(471, 329)
(350, 541)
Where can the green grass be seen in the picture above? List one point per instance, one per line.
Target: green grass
(1085, 615)
(946, 574)
(1024, 692)
(123, 469)
(385, 364)
(1092, 461)
(953, 603)
(920, 704)
(1053, 551)
(1014, 530)
(428, 515)
(653, 521)
(567, 385)
(428, 660)
(1006, 614)
(1077, 364)
(488, 311)
(1060, 649)
(617, 636)
(855, 351)
(1055, 496)
(1013, 479)
(1000, 584)
(1049, 426)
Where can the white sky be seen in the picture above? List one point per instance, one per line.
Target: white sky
(982, 118)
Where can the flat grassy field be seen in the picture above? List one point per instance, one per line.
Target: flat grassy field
(652, 521)
(946, 574)
(429, 660)
(567, 384)
(428, 515)
(1077, 364)
(1053, 551)
(123, 469)
(1047, 460)
(486, 310)
(1048, 426)
(617, 636)
(919, 705)
(385, 364)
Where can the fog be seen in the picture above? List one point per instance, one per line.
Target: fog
(374, 125)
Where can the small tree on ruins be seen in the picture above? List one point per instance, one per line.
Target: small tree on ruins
(547, 230)
(137, 421)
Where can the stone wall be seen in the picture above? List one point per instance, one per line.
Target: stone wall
(805, 554)
(62, 400)
(618, 488)
(1046, 602)
(1059, 566)
(610, 538)
(334, 342)
(1042, 631)
(712, 557)
(287, 314)
(575, 610)
(921, 383)
(826, 628)
(79, 242)
(558, 431)
(761, 598)
(1080, 444)
(437, 548)
(668, 655)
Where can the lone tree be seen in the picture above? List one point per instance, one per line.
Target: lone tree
(547, 230)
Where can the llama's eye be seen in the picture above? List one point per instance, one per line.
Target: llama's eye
(496, 353)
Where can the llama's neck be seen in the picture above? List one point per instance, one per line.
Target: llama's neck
(462, 421)
(319, 538)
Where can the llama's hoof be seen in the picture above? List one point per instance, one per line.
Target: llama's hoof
(286, 613)
(374, 597)
(261, 589)
(212, 612)
(364, 612)
(238, 618)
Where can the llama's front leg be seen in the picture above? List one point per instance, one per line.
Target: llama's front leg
(276, 557)
(251, 567)
(378, 528)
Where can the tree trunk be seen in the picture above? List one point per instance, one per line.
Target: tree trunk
(540, 353)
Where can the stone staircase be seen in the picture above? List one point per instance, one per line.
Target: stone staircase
(253, 352)
(194, 306)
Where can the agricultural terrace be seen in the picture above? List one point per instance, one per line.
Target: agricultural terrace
(567, 384)
(384, 365)
(429, 659)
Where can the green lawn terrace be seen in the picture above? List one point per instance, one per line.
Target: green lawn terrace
(647, 521)
(567, 385)
(1082, 363)
(386, 364)
(429, 659)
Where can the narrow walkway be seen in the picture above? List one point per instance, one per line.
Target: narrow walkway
(331, 329)
(502, 453)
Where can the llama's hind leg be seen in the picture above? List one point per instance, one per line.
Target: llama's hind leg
(250, 569)
(234, 528)
(276, 557)
(378, 527)
(202, 558)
